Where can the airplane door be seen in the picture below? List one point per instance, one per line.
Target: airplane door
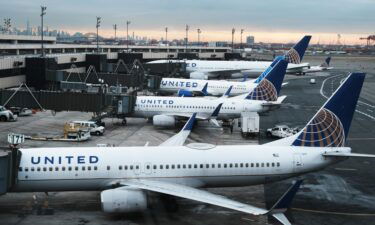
(297, 162)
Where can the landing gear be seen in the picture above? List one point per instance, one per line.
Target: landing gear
(124, 122)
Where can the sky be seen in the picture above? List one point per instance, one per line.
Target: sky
(268, 20)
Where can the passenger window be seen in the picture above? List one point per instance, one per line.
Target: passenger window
(230, 165)
(125, 167)
(83, 168)
(252, 164)
(108, 167)
(278, 164)
(161, 167)
(247, 165)
(20, 169)
(137, 167)
(148, 167)
(189, 166)
(89, 168)
(268, 165)
(236, 165)
(70, 168)
(207, 166)
(273, 164)
(26, 169)
(32, 169)
(76, 168)
(56, 168)
(167, 167)
(155, 167)
(241, 165)
(225, 165)
(184, 166)
(195, 166)
(95, 168)
(201, 166)
(218, 165)
(63, 168)
(51, 169)
(38, 169)
(262, 164)
(213, 166)
(44, 169)
(178, 166)
(257, 164)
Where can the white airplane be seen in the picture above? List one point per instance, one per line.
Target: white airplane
(126, 174)
(209, 69)
(165, 110)
(323, 67)
(196, 87)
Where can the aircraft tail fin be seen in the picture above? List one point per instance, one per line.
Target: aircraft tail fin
(269, 88)
(277, 59)
(296, 53)
(326, 62)
(227, 93)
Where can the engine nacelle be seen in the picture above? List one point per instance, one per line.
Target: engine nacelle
(198, 76)
(184, 93)
(126, 200)
(164, 121)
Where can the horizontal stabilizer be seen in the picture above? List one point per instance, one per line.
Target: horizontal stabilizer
(347, 154)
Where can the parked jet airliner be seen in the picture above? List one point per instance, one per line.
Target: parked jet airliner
(125, 174)
(166, 110)
(196, 87)
(210, 69)
(323, 67)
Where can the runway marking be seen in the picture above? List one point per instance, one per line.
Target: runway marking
(360, 139)
(322, 94)
(334, 213)
(366, 104)
(346, 169)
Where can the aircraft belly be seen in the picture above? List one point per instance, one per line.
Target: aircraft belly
(61, 185)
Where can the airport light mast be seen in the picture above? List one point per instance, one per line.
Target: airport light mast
(242, 30)
(166, 38)
(199, 32)
(43, 12)
(186, 38)
(127, 35)
(115, 28)
(98, 20)
(233, 31)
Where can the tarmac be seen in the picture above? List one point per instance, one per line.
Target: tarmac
(341, 194)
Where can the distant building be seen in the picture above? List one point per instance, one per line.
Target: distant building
(250, 40)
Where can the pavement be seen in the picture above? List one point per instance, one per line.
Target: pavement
(341, 194)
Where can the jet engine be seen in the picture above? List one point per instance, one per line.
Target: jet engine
(124, 200)
(164, 121)
(198, 76)
(184, 93)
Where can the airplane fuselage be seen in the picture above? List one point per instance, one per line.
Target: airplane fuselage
(214, 87)
(149, 106)
(200, 165)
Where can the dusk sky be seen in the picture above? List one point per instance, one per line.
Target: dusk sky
(267, 20)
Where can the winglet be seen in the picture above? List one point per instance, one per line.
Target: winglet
(286, 200)
(217, 110)
(204, 89)
(180, 138)
(227, 93)
(190, 123)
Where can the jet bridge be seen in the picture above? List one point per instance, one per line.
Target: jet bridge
(9, 162)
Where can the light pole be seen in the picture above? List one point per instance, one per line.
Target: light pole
(43, 12)
(166, 38)
(115, 28)
(233, 31)
(199, 32)
(127, 35)
(98, 20)
(186, 38)
(241, 37)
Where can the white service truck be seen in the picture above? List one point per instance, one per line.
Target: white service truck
(6, 115)
(249, 123)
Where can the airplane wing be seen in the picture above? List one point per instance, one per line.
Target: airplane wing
(180, 138)
(199, 195)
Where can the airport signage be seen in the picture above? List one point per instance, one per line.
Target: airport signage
(16, 139)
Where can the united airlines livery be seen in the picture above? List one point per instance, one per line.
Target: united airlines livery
(126, 174)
